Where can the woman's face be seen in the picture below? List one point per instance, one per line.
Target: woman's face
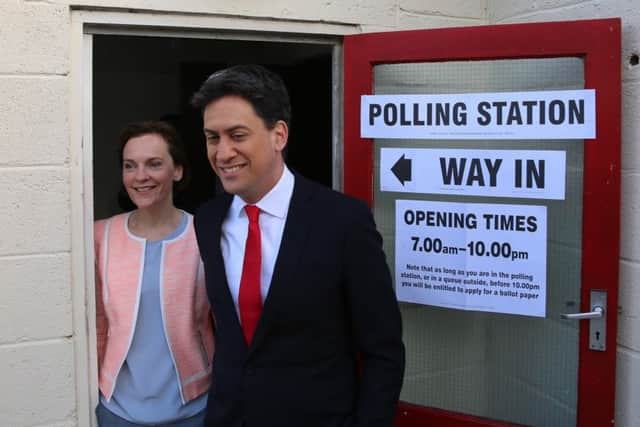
(148, 172)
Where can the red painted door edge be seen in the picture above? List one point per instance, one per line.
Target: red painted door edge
(409, 415)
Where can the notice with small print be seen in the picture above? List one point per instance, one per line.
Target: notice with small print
(472, 256)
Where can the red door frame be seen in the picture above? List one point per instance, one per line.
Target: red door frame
(598, 43)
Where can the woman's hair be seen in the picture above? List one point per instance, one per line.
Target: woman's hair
(174, 145)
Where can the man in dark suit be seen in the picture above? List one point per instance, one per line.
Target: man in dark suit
(308, 330)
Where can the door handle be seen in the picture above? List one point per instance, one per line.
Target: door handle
(597, 320)
(597, 313)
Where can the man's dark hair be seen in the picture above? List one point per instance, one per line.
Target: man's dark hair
(262, 88)
(169, 135)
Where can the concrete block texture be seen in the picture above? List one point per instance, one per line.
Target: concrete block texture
(35, 210)
(505, 11)
(629, 306)
(35, 298)
(446, 8)
(627, 389)
(630, 41)
(416, 21)
(37, 383)
(630, 161)
(630, 217)
(34, 127)
(379, 12)
(67, 423)
(34, 37)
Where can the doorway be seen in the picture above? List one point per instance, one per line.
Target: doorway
(150, 78)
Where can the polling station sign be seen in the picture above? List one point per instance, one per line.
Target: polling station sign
(472, 256)
(565, 114)
(536, 174)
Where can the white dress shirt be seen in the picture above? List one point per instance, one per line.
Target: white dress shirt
(274, 207)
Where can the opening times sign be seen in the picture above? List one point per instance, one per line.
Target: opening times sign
(472, 256)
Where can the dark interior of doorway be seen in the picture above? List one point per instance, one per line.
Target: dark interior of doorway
(141, 78)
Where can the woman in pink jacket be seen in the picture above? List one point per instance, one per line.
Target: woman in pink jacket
(154, 325)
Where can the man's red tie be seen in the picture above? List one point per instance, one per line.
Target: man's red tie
(249, 299)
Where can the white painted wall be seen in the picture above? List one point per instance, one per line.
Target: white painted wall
(38, 334)
(36, 349)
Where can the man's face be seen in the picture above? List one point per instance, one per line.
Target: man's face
(242, 151)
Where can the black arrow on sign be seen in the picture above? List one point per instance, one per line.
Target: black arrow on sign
(402, 169)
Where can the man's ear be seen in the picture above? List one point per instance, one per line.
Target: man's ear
(280, 133)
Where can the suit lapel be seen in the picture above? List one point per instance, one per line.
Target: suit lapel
(294, 236)
(220, 282)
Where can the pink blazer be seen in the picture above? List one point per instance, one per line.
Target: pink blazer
(187, 319)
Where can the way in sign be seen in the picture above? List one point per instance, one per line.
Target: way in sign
(484, 172)
(494, 173)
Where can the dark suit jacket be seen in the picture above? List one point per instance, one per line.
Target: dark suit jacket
(328, 348)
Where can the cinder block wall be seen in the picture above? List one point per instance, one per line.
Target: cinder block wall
(38, 386)
(36, 348)
(628, 358)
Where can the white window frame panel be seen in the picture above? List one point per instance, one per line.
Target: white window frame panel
(86, 23)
